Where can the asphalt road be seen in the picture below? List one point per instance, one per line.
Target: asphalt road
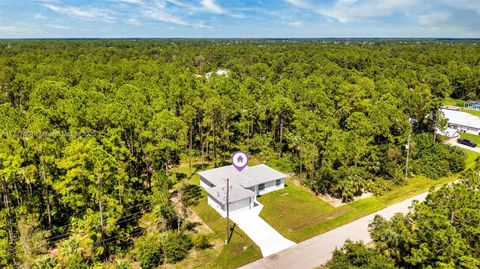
(318, 250)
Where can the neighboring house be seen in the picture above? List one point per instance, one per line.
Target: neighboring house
(448, 132)
(244, 186)
(219, 72)
(462, 121)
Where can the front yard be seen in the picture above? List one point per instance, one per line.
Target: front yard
(298, 214)
(240, 249)
(294, 212)
(474, 138)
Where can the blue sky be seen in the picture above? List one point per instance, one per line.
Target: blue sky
(235, 18)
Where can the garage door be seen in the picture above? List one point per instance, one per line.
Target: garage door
(240, 205)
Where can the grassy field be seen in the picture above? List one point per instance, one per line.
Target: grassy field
(298, 214)
(474, 138)
(471, 111)
(453, 102)
(459, 103)
(295, 212)
(471, 157)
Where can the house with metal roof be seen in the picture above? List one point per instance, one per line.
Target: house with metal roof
(244, 186)
(462, 121)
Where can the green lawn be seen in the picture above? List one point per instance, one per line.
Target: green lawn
(471, 157)
(459, 103)
(474, 138)
(298, 214)
(471, 111)
(453, 102)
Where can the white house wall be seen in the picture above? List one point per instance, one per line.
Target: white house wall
(271, 186)
(466, 129)
(239, 205)
(235, 207)
(216, 205)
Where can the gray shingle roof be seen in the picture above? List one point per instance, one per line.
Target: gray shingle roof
(250, 176)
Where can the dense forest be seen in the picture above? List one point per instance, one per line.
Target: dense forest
(91, 128)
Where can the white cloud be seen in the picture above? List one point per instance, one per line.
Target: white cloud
(136, 2)
(298, 3)
(160, 15)
(434, 19)
(296, 23)
(133, 21)
(181, 4)
(16, 30)
(83, 13)
(39, 16)
(211, 6)
(354, 10)
(56, 26)
(465, 4)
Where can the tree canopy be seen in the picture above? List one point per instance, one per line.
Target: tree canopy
(90, 130)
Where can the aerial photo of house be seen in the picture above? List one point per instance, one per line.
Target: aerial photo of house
(244, 186)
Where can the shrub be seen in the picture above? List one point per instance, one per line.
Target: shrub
(176, 245)
(435, 160)
(201, 241)
(148, 251)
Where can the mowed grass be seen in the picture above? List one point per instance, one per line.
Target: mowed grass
(474, 138)
(457, 102)
(471, 111)
(453, 102)
(299, 215)
(295, 212)
(471, 157)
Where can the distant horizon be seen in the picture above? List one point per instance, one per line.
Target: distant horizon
(46, 19)
(243, 38)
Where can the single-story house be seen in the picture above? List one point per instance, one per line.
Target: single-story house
(244, 186)
(448, 132)
(462, 121)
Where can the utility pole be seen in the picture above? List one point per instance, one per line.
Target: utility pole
(407, 147)
(228, 219)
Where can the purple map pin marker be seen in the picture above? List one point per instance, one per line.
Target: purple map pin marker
(239, 160)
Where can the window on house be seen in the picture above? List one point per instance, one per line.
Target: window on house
(261, 187)
(279, 182)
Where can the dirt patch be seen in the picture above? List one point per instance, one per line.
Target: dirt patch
(324, 197)
(335, 202)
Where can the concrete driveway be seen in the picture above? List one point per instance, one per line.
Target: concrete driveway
(453, 142)
(267, 238)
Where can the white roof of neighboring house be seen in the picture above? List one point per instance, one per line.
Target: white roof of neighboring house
(449, 132)
(219, 72)
(249, 177)
(236, 193)
(461, 118)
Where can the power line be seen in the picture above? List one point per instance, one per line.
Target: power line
(134, 232)
(59, 237)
